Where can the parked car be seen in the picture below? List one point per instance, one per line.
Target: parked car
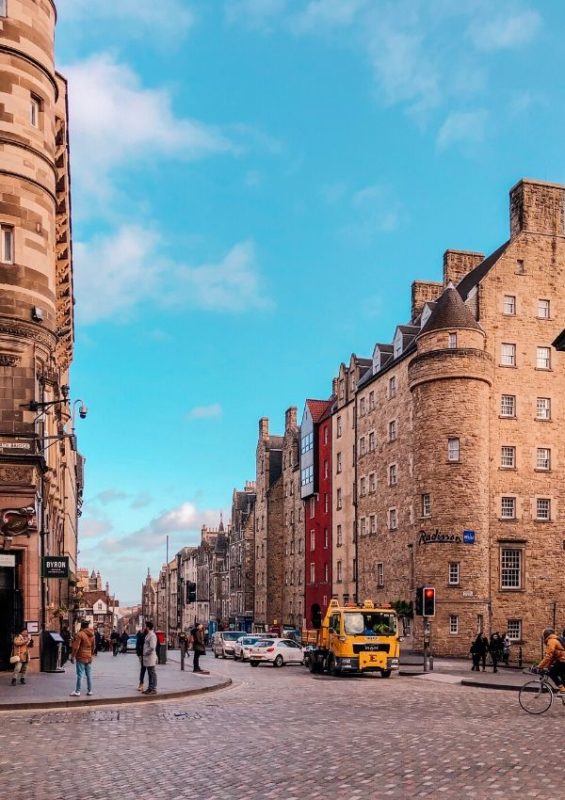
(131, 645)
(223, 643)
(243, 646)
(277, 652)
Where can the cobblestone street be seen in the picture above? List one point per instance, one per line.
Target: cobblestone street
(286, 734)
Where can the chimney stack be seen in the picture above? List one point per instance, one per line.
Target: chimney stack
(537, 207)
(459, 263)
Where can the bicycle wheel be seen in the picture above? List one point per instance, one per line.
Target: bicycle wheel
(535, 697)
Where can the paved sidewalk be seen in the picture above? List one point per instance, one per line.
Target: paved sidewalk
(114, 679)
(458, 671)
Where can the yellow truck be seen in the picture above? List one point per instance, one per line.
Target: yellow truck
(354, 639)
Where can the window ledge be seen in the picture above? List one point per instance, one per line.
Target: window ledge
(541, 521)
(508, 519)
(512, 589)
(543, 369)
(508, 469)
(542, 419)
(507, 416)
(508, 366)
(540, 469)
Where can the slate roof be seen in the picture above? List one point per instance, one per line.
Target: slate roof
(559, 343)
(476, 275)
(450, 312)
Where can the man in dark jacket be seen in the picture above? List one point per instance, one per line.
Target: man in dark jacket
(139, 641)
(124, 640)
(115, 639)
(199, 648)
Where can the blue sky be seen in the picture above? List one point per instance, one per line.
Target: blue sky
(256, 183)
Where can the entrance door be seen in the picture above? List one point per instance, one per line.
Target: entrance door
(10, 613)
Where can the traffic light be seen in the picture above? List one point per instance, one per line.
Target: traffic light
(191, 592)
(429, 601)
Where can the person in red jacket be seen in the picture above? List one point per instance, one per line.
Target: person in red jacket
(554, 658)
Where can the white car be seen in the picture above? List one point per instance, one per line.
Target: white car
(244, 645)
(277, 652)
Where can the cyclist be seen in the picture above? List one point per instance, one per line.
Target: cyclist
(554, 658)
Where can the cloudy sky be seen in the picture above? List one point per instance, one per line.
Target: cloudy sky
(255, 185)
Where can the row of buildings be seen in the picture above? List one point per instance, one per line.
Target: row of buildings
(437, 459)
(41, 470)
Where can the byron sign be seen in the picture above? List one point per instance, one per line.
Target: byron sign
(55, 567)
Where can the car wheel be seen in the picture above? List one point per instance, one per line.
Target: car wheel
(254, 663)
(216, 655)
(279, 661)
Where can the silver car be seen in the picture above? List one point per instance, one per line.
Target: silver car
(223, 643)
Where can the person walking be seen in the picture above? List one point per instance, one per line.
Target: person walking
(495, 647)
(477, 650)
(505, 649)
(150, 658)
(82, 651)
(115, 640)
(199, 648)
(139, 641)
(66, 637)
(22, 643)
(124, 640)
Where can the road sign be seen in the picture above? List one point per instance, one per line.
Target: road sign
(468, 537)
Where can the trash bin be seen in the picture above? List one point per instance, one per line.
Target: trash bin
(51, 651)
(161, 647)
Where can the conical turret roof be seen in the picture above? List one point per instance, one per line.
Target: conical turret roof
(450, 312)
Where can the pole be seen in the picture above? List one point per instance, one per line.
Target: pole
(168, 598)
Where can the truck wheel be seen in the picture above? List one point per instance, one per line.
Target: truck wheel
(278, 662)
(386, 673)
(333, 669)
(254, 663)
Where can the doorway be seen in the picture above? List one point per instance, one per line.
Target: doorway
(11, 617)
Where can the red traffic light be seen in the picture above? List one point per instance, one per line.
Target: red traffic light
(429, 609)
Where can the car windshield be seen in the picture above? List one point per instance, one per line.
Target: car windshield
(370, 623)
(231, 636)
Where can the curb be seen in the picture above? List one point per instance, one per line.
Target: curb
(504, 687)
(113, 701)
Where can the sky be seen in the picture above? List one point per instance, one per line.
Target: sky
(256, 184)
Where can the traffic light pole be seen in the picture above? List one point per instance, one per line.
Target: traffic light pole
(428, 657)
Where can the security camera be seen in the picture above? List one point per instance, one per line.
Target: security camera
(83, 411)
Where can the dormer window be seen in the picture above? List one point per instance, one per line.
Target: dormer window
(398, 344)
(452, 340)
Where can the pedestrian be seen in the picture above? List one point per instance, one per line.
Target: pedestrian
(115, 639)
(66, 637)
(139, 641)
(20, 651)
(82, 651)
(183, 645)
(553, 658)
(477, 650)
(124, 640)
(505, 649)
(199, 648)
(150, 658)
(495, 647)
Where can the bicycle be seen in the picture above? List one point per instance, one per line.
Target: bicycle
(536, 696)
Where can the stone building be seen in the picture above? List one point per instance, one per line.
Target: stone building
(343, 461)
(41, 473)
(269, 529)
(242, 558)
(219, 579)
(293, 586)
(149, 598)
(464, 488)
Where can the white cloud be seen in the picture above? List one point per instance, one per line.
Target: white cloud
(116, 122)
(320, 14)
(94, 528)
(503, 31)
(169, 18)
(117, 272)
(205, 412)
(256, 14)
(463, 127)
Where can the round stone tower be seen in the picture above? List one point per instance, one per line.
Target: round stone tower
(450, 380)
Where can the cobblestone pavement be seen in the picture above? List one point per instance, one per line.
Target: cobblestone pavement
(287, 734)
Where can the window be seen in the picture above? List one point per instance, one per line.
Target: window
(453, 575)
(371, 401)
(326, 502)
(353, 532)
(7, 254)
(326, 573)
(508, 508)
(371, 442)
(543, 358)
(508, 355)
(312, 507)
(362, 407)
(362, 527)
(543, 458)
(291, 548)
(520, 267)
(392, 476)
(514, 630)
(453, 624)
(337, 463)
(339, 536)
(354, 570)
(543, 408)
(392, 387)
(307, 443)
(312, 540)
(326, 538)
(543, 509)
(3, 8)
(339, 501)
(392, 519)
(326, 428)
(510, 568)
(312, 573)
(509, 305)
(380, 574)
(426, 505)
(362, 487)
(544, 309)
(508, 405)
(373, 523)
(339, 428)
(453, 449)
(372, 482)
(34, 109)
(300, 545)
(362, 448)
(452, 340)
(326, 468)
(392, 430)
(508, 457)
(339, 571)
(307, 476)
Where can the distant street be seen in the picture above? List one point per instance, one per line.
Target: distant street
(286, 734)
